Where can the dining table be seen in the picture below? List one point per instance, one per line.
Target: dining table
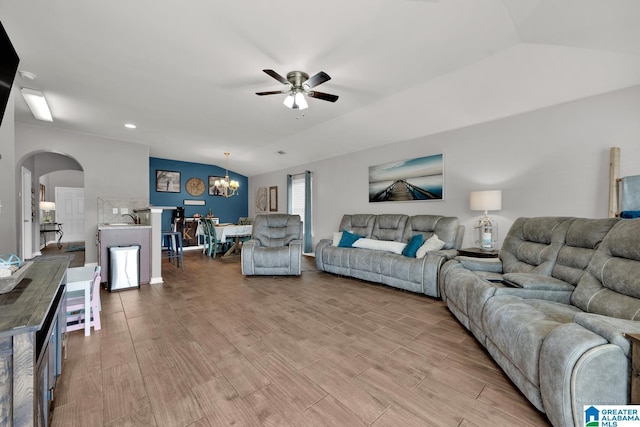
(79, 279)
(225, 231)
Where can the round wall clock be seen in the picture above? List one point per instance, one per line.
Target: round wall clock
(195, 186)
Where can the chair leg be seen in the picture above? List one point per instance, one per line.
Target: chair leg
(96, 319)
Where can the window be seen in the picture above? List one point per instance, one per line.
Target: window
(299, 203)
(297, 196)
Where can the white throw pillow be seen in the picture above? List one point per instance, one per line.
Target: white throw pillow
(337, 235)
(431, 244)
(380, 245)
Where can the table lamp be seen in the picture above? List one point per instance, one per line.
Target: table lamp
(486, 228)
(47, 207)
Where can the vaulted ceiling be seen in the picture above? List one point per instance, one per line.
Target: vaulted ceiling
(186, 72)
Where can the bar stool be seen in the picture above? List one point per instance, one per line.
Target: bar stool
(173, 240)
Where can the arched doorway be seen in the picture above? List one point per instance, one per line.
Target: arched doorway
(52, 172)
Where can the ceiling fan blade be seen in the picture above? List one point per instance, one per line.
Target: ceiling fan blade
(316, 80)
(271, 92)
(324, 96)
(277, 76)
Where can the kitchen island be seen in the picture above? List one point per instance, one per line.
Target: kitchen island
(125, 235)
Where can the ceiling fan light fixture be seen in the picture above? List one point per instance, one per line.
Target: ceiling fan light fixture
(300, 101)
(288, 101)
(299, 83)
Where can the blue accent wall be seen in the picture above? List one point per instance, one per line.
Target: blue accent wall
(227, 209)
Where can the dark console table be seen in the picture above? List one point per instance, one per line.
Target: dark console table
(52, 227)
(32, 321)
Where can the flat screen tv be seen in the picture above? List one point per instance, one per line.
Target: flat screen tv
(8, 66)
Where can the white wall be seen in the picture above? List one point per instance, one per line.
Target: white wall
(64, 178)
(553, 161)
(111, 168)
(8, 191)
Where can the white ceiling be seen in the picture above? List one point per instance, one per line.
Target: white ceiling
(186, 71)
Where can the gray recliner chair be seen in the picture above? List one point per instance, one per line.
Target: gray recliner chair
(275, 247)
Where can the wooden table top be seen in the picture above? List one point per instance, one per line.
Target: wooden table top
(25, 307)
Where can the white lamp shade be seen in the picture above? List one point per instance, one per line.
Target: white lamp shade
(288, 101)
(486, 200)
(47, 206)
(300, 101)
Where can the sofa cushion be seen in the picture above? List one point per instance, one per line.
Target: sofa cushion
(532, 244)
(433, 243)
(413, 246)
(389, 227)
(379, 245)
(336, 237)
(348, 239)
(583, 238)
(611, 283)
(361, 224)
(520, 326)
(447, 228)
(276, 230)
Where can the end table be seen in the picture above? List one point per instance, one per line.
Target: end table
(478, 253)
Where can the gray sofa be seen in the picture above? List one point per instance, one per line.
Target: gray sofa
(555, 324)
(409, 273)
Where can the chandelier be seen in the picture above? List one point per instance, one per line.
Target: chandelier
(229, 188)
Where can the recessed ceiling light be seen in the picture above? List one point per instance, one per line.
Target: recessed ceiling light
(130, 126)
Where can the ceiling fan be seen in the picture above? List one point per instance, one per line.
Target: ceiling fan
(299, 84)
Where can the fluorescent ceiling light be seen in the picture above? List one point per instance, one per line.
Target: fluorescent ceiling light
(37, 104)
(130, 126)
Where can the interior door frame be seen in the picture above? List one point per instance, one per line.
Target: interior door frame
(26, 215)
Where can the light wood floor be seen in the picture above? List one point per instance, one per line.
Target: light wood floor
(210, 347)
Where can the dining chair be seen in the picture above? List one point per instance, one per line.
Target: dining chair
(77, 313)
(207, 235)
(215, 244)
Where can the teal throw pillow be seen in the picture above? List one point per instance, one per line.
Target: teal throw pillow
(348, 239)
(413, 246)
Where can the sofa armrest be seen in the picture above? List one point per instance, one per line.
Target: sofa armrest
(610, 328)
(322, 244)
(433, 262)
(491, 265)
(246, 256)
(447, 254)
(295, 260)
(537, 282)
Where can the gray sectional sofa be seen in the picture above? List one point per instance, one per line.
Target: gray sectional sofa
(553, 309)
(409, 273)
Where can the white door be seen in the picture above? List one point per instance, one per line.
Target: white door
(70, 213)
(27, 223)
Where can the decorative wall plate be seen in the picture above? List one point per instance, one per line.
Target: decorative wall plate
(195, 186)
